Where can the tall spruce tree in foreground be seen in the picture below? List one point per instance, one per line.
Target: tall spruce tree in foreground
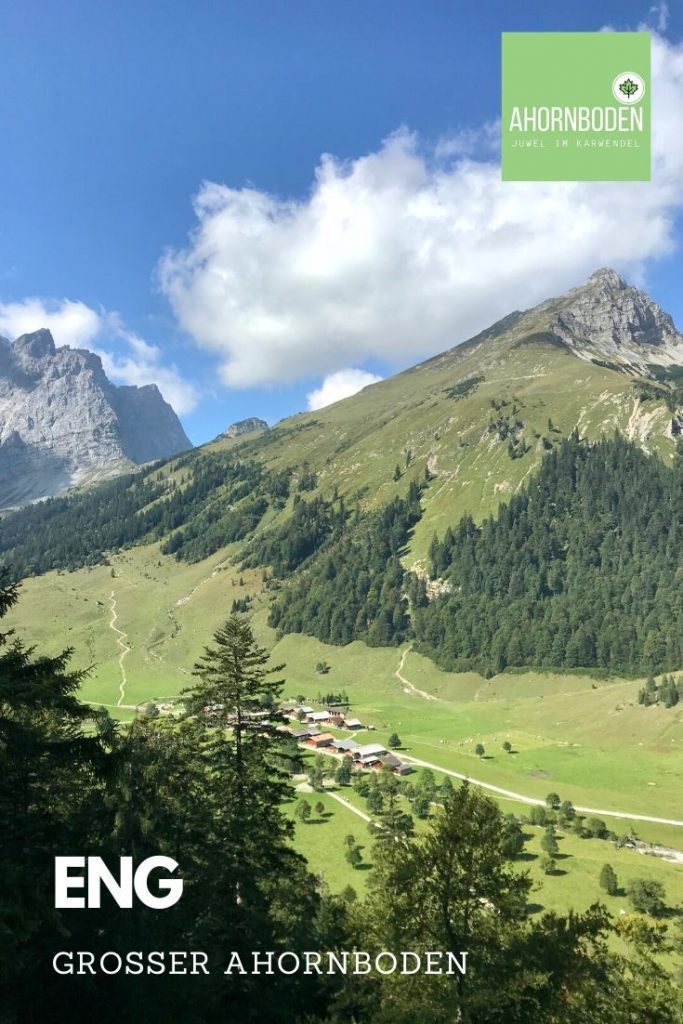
(49, 769)
(235, 689)
(255, 892)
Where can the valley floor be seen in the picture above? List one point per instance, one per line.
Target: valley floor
(584, 738)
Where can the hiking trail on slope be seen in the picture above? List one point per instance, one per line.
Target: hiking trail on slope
(123, 646)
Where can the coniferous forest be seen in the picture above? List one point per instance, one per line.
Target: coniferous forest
(209, 793)
(582, 569)
(354, 588)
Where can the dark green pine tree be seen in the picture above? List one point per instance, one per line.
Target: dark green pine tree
(235, 684)
(252, 885)
(608, 880)
(49, 769)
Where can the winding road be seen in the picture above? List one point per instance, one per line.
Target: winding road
(124, 648)
(519, 797)
(598, 812)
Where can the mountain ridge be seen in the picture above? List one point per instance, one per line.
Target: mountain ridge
(302, 511)
(63, 423)
(475, 421)
(637, 329)
(246, 426)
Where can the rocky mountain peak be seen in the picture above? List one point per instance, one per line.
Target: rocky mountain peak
(247, 426)
(36, 345)
(62, 422)
(607, 278)
(607, 317)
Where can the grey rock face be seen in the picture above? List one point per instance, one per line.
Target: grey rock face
(607, 318)
(248, 426)
(62, 422)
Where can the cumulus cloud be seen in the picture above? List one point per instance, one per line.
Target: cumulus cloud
(405, 252)
(133, 360)
(71, 323)
(141, 364)
(341, 384)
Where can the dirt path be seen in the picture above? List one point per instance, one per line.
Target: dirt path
(348, 806)
(598, 812)
(170, 612)
(410, 688)
(183, 600)
(101, 704)
(121, 638)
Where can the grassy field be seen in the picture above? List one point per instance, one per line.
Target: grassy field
(587, 739)
(166, 610)
(584, 738)
(574, 885)
(321, 841)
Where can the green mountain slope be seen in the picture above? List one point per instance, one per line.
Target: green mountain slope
(480, 417)
(477, 419)
(136, 574)
(468, 428)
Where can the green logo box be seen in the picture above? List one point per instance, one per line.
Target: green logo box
(575, 106)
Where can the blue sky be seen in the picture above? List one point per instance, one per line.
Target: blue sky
(116, 116)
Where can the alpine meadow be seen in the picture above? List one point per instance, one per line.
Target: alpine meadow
(402, 673)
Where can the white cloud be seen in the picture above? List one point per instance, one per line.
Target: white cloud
(660, 12)
(143, 367)
(71, 323)
(341, 384)
(77, 325)
(401, 253)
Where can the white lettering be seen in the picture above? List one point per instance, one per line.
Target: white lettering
(121, 889)
(404, 961)
(199, 963)
(172, 886)
(582, 119)
(268, 957)
(156, 959)
(86, 963)
(134, 962)
(434, 959)
(117, 961)
(364, 959)
(281, 960)
(64, 881)
(392, 960)
(234, 964)
(334, 963)
(62, 963)
(312, 960)
(99, 874)
(460, 964)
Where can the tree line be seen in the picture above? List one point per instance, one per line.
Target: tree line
(580, 570)
(198, 503)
